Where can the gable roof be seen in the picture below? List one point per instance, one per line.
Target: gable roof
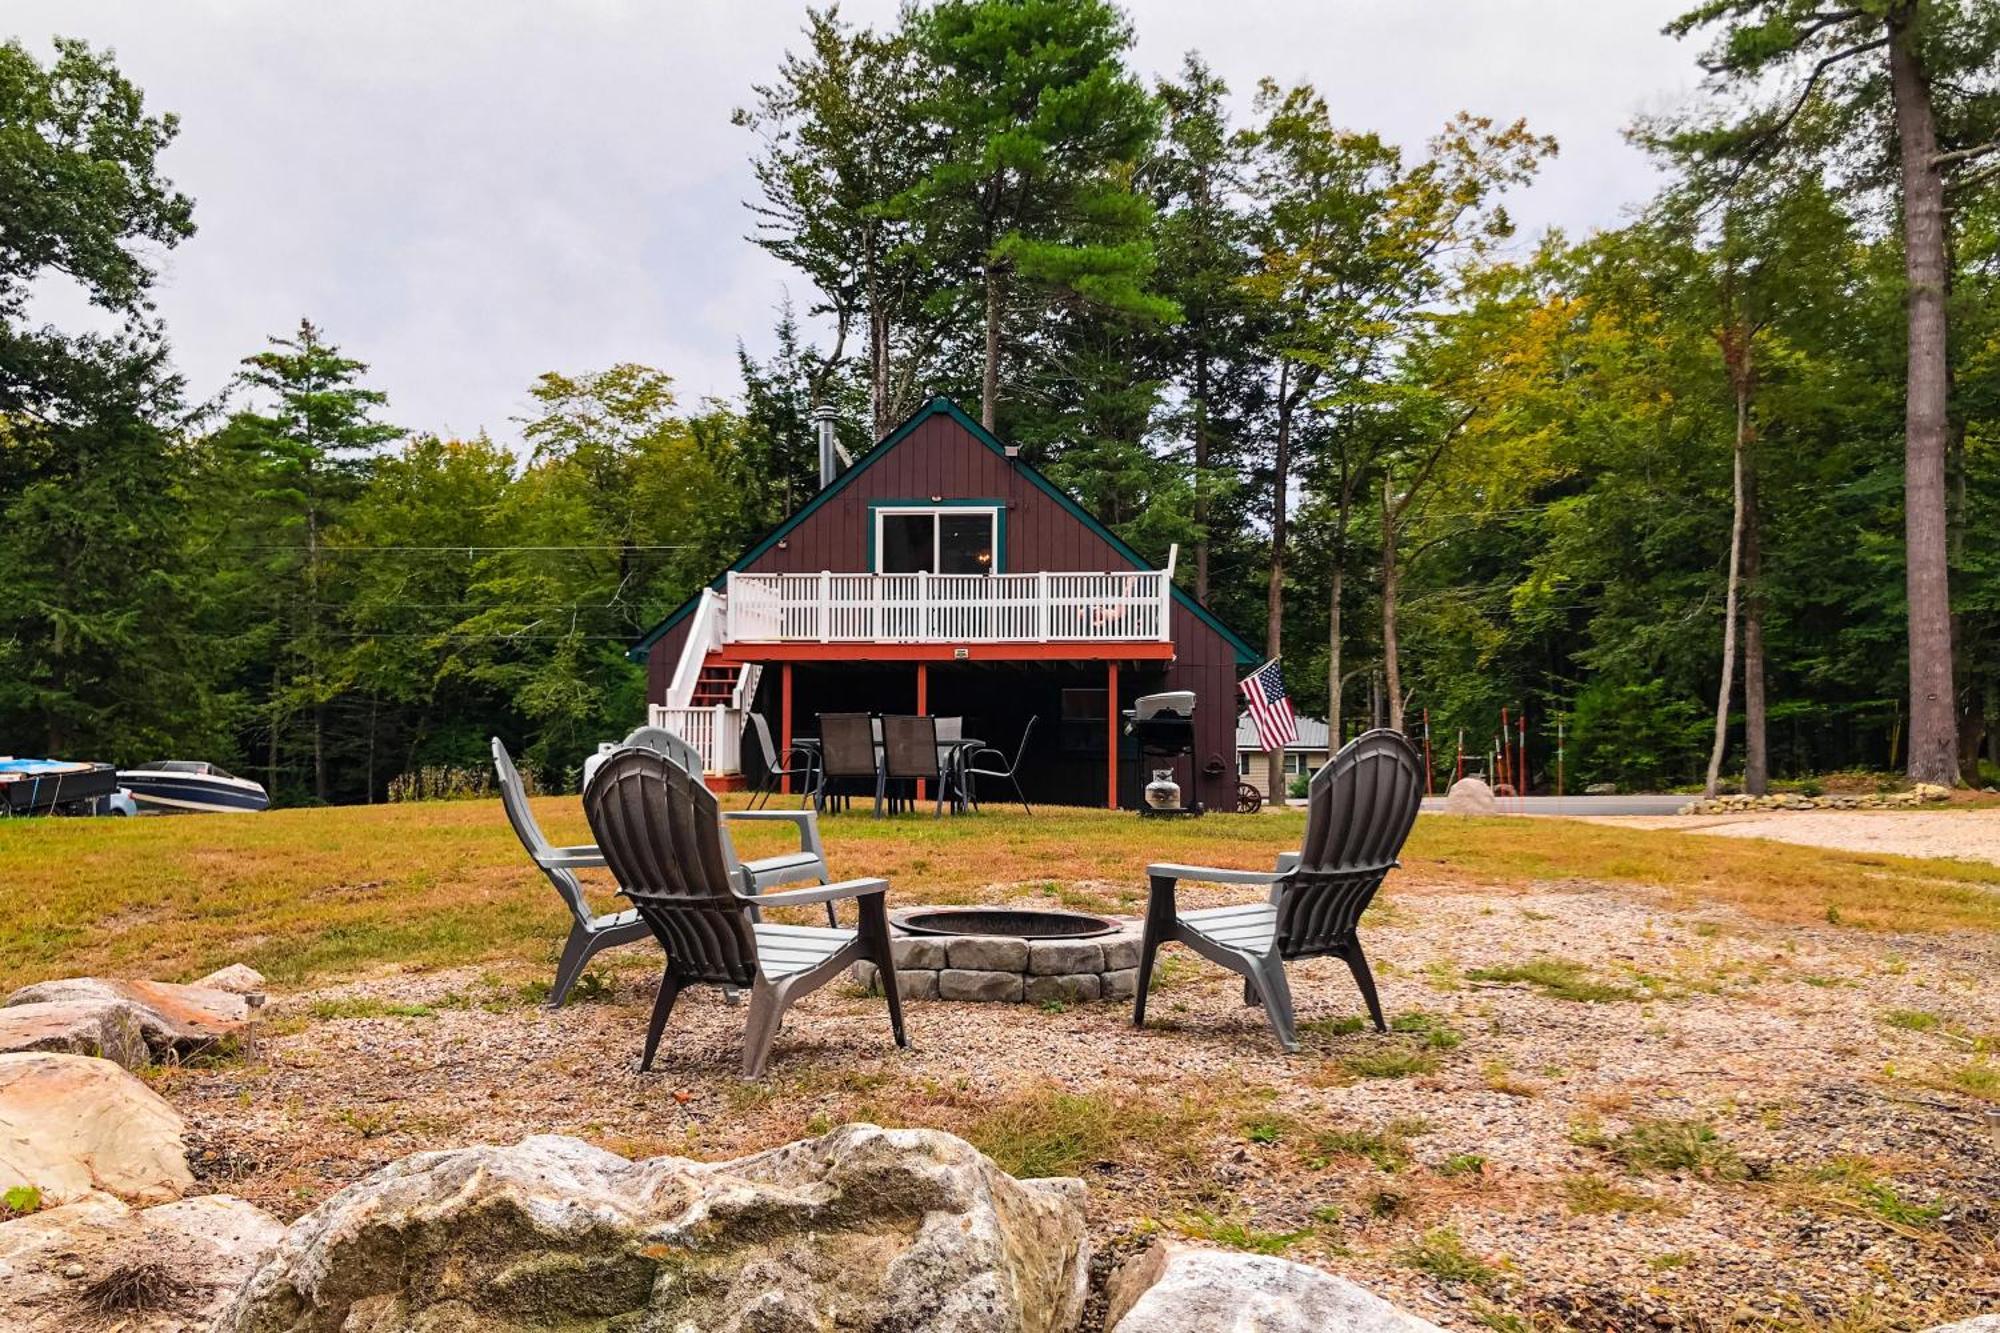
(941, 406)
(1313, 734)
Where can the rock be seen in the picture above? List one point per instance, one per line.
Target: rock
(862, 1228)
(1120, 985)
(911, 983)
(988, 953)
(958, 984)
(1929, 791)
(1178, 1289)
(917, 951)
(1601, 789)
(237, 980)
(1075, 989)
(70, 1124)
(1984, 1323)
(1047, 958)
(183, 1020)
(917, 984)
(1470, 796)
(1121, 951)
(102, 1028)
(201, 1250)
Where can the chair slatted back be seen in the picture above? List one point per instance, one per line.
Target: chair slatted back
(1360, 808)
(847, 745)
(910, 747)
(667, 743)
(768, 750)
(661, 833)
(514, 798)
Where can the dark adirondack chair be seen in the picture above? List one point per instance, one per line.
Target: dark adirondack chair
(1360, 808)
(910, 754)
(667, 743)
(589, 933)
(664, 839)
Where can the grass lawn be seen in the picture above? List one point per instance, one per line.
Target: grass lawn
(305, 894)
(1635, 1079)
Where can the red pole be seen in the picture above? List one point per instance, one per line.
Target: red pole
(923, 708)
(1521, 748)
(785, 720)
(1111, 737)
(1458, 767)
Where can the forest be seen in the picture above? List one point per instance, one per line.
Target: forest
(1716, 490)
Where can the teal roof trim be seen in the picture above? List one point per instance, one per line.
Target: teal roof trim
(942, 406)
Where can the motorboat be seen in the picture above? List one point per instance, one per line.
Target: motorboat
(189, 786)
(54, 786)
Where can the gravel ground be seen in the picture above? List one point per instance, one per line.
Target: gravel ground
(1537, 1166)
(1969, 835)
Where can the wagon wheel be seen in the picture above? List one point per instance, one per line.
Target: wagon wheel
(1248, 799)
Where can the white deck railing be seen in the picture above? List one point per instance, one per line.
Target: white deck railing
(948, 608)
(715, 732)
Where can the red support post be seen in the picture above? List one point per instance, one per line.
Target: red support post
(1111, 736)
(923, 707)
(785, 720)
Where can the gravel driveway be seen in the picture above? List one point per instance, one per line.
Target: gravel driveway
(1969, 835)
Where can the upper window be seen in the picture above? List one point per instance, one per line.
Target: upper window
(955, 540)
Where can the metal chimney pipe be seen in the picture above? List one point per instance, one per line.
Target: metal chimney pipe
(824, 416)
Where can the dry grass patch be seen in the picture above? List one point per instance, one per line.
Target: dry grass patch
(309, 893)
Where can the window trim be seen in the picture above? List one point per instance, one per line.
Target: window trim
(880, 509)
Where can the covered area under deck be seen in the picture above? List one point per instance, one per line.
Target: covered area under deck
(1077, 754)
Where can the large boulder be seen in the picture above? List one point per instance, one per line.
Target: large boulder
(1470, 796)
(176, 1020)
(105, 1028)
(1178, 1289)
(70, 1124)
(862, 1228)
(98, 1264)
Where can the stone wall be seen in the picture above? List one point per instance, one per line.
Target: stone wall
(1001, 968)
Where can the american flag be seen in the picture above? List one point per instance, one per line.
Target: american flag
(1270, 708)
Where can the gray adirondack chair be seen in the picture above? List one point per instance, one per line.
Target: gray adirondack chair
(806, 865)
(663, 838)
(1360, 808)
(589, 933)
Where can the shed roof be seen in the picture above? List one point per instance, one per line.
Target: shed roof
(1313, 734)
(942, 406)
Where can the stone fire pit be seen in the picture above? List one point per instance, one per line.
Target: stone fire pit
(1007, 954)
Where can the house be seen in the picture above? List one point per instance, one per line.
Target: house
(1306, 755)
(942, 574)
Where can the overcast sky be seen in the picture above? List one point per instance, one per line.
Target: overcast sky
(466, 193)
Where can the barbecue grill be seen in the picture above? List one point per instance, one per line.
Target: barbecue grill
(1163, 726)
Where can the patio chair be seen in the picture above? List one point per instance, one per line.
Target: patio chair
(664, 839)
(846, 753)
(1008, 769)
(910, 754)
(589, 934)
(798, 762)
(806, 865)
(681, 751)
(1359, 809)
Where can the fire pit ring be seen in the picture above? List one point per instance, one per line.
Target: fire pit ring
(1021, 923)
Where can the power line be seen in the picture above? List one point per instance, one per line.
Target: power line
(469, 550)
